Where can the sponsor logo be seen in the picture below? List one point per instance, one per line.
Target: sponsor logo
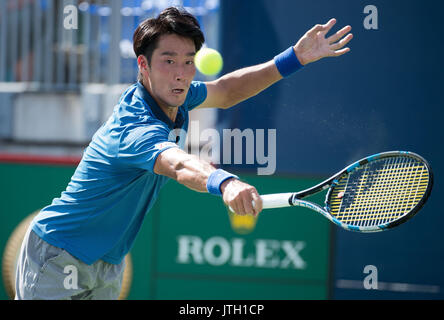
(219, 251)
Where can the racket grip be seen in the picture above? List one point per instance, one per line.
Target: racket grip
(280, 200)
(270, 201)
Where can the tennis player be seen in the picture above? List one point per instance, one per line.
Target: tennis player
(92, 225)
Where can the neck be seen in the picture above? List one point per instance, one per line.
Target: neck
(170, 111)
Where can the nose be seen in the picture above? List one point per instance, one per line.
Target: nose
(183, 72)
(180, 73)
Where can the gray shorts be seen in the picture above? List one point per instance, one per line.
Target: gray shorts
(45, 272)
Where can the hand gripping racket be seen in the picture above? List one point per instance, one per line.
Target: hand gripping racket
(373, 194)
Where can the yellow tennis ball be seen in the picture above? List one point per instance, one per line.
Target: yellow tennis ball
(208, 61)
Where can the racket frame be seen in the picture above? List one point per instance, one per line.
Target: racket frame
(296, 199)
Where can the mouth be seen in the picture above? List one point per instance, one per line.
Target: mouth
(178, 91)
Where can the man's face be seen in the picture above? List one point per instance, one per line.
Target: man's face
(171, 71)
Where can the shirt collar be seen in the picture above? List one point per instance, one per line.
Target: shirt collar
(157, 111)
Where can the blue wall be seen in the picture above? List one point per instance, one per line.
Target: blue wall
(386, 94)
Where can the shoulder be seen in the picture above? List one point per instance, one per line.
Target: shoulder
(151, 131)
(197, 85)
(196, 95)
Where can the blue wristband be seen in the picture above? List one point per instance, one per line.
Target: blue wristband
(216, 179)
(287, 62)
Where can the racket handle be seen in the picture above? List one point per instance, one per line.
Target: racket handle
(277, 200)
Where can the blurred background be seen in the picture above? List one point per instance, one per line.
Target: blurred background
(65, 63)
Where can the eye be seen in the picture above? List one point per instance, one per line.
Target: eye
(190, 62)
(169, 61)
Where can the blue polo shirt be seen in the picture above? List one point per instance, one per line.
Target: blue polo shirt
(114, 186)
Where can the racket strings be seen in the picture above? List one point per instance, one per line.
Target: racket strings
(387, 211)
(379, 192)
(389, 206)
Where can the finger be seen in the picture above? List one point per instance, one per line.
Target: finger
(342, 43)
(240, 206)
(257, 203)
(338, 35)
(314, 31)
(338, 53)
(327, 27)
(248, 205)
(236, 208)
(233, 206)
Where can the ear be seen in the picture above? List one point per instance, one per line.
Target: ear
(142, 63)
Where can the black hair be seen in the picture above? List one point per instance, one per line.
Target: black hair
(172, 20)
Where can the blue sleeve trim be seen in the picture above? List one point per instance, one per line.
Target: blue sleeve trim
(197, 94)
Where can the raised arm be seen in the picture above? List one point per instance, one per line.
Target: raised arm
(242, 84)
(194, 173)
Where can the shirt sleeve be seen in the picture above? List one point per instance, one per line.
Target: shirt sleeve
(145, 145)
(196, 95)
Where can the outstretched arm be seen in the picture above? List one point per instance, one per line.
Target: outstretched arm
(242, 84)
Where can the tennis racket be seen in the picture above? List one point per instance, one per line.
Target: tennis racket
(373, 194)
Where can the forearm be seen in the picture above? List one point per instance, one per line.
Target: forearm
(245, 83)
(185, 168)
(193, 173)
(201, 176)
